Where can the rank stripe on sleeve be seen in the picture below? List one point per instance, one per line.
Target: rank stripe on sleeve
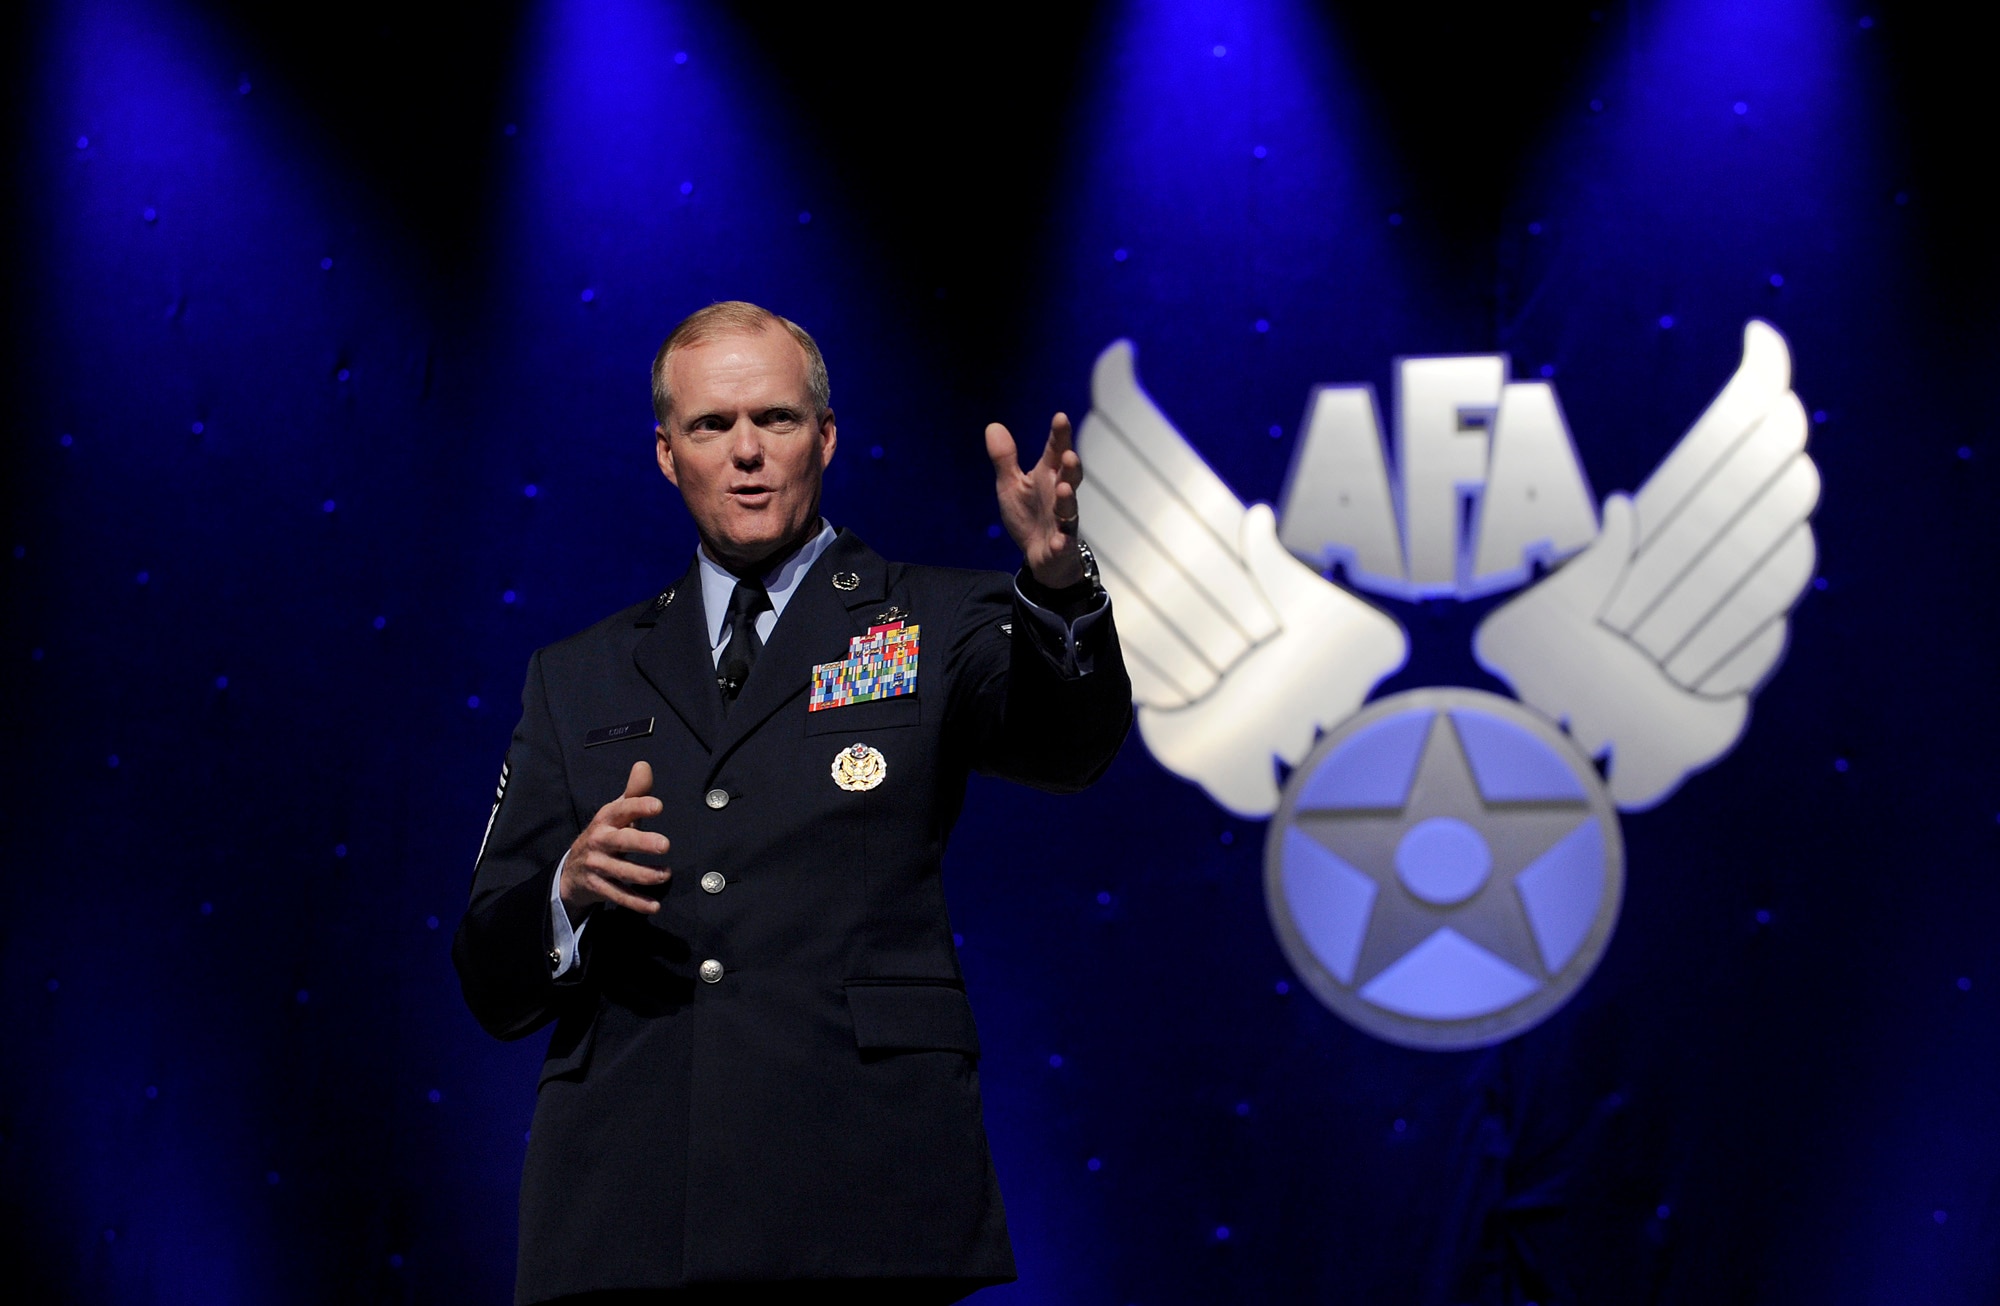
(499, 793)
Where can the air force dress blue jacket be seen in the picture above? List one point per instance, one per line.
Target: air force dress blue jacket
(776, 1076)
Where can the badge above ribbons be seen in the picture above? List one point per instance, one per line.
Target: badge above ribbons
(879, 664)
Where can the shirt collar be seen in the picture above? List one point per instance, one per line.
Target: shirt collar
(781, 583)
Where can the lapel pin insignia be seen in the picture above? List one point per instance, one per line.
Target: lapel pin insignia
(859, 768)
(846, 580)
(666, 597)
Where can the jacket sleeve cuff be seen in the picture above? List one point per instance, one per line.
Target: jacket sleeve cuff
(1063, 622)
(565, 940)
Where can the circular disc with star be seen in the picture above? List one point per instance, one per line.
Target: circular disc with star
(1444, 869)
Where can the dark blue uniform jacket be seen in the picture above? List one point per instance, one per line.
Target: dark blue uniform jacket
(815, 1113)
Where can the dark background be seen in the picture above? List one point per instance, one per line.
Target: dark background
(327, 405)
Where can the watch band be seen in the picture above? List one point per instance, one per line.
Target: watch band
(1089, 564)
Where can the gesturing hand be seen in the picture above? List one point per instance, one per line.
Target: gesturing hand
(1038, 506)
(595, 870)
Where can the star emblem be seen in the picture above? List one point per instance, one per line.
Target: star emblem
(1447, 858)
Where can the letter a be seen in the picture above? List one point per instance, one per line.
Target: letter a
(1537, 505)
(1336, 505)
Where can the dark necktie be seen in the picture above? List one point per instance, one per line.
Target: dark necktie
(740, 653)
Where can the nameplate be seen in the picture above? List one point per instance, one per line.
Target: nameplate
(612, 734)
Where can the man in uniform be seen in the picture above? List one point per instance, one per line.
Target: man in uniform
(714, 864)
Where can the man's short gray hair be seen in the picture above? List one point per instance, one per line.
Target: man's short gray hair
(735, 316)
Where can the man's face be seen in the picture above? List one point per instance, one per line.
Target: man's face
(743, 444)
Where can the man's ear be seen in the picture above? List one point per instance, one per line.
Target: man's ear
(664, 452)
(827, 439)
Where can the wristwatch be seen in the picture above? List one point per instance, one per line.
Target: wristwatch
(1089, 565)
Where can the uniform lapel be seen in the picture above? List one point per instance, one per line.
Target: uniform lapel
(676, 657)
(814, 628)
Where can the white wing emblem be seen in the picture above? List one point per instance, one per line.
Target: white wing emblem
(1239, 653)
(1649, 643)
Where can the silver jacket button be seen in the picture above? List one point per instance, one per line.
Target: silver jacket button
(718, 798)
(711, 971)
(713, 882)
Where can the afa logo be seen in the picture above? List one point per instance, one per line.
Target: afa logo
(1444, 867)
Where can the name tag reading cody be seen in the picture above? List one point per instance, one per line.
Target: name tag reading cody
(612, 734)
(880, 664)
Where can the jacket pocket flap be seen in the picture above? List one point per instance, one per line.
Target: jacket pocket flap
(876, 714)
(912, 1017)
(569, 1048)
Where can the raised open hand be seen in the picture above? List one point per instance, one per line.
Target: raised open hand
(1038, 506)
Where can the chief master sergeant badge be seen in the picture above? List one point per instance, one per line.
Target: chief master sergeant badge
(764, 1067)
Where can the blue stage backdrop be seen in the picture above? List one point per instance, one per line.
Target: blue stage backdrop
(329, 405)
